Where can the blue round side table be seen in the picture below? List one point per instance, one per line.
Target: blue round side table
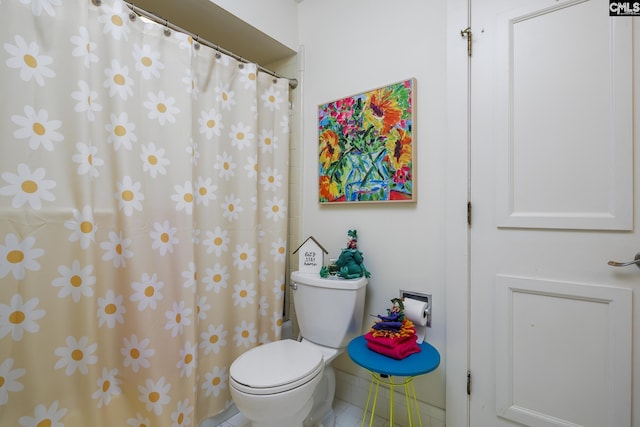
(384, 368)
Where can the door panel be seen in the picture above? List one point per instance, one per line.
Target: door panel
(562, 104)
(546, 346)
(552, 330)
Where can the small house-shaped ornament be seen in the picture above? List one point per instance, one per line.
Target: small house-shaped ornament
(310, 256)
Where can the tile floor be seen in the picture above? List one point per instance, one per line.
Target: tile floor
(347, 415)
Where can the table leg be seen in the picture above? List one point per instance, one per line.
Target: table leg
(366, 407)
(391, 393)
(415, 401)
(376, 380)
(407, 401)
(410, 399)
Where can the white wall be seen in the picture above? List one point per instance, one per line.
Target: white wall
(276, 18)
(346, 48)
(354, 46)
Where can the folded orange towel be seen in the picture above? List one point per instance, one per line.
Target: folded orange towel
(407, 329)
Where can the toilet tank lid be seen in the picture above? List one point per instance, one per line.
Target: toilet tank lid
(314, 279)
(275, 364)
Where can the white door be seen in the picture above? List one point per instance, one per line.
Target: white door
(553, 328)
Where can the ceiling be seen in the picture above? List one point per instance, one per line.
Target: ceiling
(214, 24)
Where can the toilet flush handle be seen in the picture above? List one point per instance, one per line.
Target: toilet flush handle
(294, 286)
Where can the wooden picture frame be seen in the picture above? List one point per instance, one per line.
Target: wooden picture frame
(366, 147)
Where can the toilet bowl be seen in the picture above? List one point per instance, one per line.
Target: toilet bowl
(291, 383)
(282, 394)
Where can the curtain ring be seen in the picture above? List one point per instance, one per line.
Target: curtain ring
(241, 65)
(96, 2)
(132, 16)
(218, 55)
(196, 43)
(167, 31)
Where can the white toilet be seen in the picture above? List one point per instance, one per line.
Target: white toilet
(291, 383)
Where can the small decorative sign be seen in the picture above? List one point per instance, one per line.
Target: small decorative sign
(310, 256)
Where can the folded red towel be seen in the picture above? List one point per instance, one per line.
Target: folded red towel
(390, 342)
(396, 348)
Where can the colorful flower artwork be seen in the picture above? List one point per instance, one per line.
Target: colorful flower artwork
(366, 146)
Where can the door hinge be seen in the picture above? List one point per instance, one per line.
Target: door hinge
(468, 383)
(468, 34)
(469, 214)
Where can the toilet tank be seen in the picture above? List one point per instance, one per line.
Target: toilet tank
(330, 311)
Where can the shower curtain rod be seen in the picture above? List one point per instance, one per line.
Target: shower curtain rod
(293, 83)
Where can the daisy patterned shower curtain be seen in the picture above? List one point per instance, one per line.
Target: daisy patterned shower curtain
(143, 202)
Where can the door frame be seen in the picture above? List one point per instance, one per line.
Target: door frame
(457, 199)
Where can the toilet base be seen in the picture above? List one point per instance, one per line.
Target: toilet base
(321, 414)
(321, 417)
(291, 420)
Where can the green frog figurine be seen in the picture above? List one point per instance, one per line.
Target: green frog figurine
(351, 261)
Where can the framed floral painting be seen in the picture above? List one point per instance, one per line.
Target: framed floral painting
(367, 146)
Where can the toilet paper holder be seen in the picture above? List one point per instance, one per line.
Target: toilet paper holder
(421, 297)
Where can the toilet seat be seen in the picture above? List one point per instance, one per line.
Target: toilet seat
(276, 367)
